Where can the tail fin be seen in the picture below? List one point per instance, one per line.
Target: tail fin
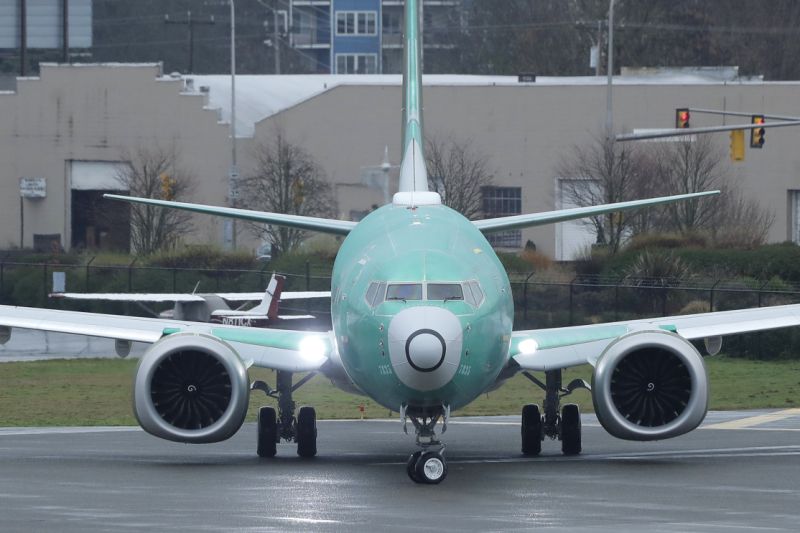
(269, 304)
(413, 174)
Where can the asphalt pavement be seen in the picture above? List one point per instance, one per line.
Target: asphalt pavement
(739, 472)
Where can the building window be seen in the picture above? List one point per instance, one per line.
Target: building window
(356, 63)
(356, 23)
(392, 22)
(503, 202)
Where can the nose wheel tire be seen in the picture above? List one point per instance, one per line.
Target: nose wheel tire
(306, 432)
(267, 432)
(570, 430)
(411, 467)
(429, 468)
(531, 430)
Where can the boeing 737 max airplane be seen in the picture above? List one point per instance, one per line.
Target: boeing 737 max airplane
(422, 317)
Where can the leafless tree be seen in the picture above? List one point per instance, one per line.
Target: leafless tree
(689, 166)
(698, 165)
(155, 172)
(602, 172)
(286, 179)
(458, 171)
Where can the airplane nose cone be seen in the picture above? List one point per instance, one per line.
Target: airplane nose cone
(425, 347)
(425, 350)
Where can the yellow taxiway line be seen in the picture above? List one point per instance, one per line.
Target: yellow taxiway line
(752, 421)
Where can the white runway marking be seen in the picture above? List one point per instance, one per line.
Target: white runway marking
(67, 430)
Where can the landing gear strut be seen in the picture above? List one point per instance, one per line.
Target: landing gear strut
(565, 426)
(427, 465)
(272, 426)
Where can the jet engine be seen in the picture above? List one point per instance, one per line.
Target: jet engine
(191, 388)
(650, 385)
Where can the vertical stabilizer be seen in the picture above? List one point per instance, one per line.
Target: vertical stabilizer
(269, 304)
(413, 174)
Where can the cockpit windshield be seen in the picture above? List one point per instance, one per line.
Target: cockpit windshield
(467, 291)
(445, 291)
(404, 291)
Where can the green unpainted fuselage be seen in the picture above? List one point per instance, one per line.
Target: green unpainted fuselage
(398, 244)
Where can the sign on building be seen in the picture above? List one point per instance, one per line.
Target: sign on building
(33, 187)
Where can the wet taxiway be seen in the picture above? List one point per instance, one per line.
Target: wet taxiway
(739, 472)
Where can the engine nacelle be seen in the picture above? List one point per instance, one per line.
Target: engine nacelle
(191, 388)
(650, 385)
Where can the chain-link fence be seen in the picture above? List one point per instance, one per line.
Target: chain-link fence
(540, 301)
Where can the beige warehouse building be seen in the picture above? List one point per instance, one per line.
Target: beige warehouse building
(67, 133)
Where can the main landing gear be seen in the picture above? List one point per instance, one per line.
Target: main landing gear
(565, 427)
(272, 426)
(427, 465)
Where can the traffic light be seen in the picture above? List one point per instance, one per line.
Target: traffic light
(737, 145)
(682, 117)
(757, 134)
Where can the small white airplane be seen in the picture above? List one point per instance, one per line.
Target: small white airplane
(213, 307)
(422, 316)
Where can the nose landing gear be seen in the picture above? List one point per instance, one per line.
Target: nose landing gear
(428, 465)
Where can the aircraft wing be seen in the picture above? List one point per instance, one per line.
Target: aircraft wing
(294, 351)
(182, 297)
(324, 225)
(549, 349)
(132, 296)
(550, 217)
(247, 296)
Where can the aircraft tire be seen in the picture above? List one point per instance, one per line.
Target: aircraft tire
(411, 466)
(531, 430)
(570, 429)
(267, 432)
(306, 432)
(431, 468)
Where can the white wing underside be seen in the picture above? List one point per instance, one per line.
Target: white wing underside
(184, 297)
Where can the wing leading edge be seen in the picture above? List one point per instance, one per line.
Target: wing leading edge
(549, 349)
(290, 350)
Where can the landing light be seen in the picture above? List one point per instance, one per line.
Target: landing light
(313, 349)
(528, 347)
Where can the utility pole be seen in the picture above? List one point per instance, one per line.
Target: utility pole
(275, 43)
(23, 37)
(610, 73)
(233, 183)
(190, 22)
(65, 30)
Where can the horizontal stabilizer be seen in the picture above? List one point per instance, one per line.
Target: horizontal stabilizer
(562, 215)
(323, 225)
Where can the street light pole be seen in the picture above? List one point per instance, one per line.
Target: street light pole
(233, 186)
(610, 73)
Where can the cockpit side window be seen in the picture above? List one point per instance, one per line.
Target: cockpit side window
(373, 288)
(404, 291)
(477, 292)
(379, 294)
(375, 294)
(445, 291)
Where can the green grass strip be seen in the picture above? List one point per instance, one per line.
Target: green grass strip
(86, 392)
